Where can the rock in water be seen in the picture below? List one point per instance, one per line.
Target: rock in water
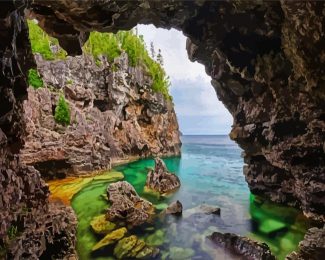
(160, 179)
(127, 205)
(110, 238)
(243, 246)
(100, 225)
(175, 208)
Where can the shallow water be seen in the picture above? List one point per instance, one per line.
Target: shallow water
(210, 171)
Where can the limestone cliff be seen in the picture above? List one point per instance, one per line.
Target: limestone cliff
(114, 115)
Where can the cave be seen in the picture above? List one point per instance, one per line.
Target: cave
(266, 62)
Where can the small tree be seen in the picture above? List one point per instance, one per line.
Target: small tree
(152, 50)
(62, 111)
(160, 58)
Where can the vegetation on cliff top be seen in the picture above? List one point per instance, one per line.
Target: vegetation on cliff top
(42, 43)
(62, 111)
(110, 45)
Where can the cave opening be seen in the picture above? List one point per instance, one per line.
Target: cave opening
(264, 64)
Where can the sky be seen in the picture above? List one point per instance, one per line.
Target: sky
(197, 108)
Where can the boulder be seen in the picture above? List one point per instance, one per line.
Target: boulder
(243, 246)
(175, 208)
(127, 206)
(160, 179)
(110, 238)
(202, 209)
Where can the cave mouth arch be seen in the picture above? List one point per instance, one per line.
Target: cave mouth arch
(252, 61)
(264, 64)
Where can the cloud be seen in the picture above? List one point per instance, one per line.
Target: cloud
(196, 104)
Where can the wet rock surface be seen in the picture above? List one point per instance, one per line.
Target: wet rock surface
(312, 247)
(175, 208)
(127, 206)
(243, 246)
(114, 115)
(160, 179)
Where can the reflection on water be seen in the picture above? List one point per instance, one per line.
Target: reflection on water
(210, 171)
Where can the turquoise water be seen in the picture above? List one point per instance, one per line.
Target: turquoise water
(210, 171)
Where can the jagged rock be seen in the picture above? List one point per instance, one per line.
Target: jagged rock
(110, 238)
(114, 114)
(160, 179)
(101, 225)
(312, 247)
(243, 246)
(175, 208)
(127, 205)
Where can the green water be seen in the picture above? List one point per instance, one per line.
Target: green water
(210, 171)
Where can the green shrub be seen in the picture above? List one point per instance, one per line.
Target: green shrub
(34, 79)
(41, 42)
(62, 112)
(12, 232)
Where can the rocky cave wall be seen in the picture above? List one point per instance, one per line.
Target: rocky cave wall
(28, 224)
(266, 61)
(115, 115)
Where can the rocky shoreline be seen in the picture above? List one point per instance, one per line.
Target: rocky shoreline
(115, 117)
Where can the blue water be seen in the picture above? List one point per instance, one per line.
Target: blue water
(211, 172)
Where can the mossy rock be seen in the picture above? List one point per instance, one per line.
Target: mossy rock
(102, 226)
(147, 252)
(161, 206)
(179, 253)
(110, 238)
(124, 246)
(137, 248)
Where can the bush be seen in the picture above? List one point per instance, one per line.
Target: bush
(34, 79)
(62, 112)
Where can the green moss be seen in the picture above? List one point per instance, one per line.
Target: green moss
(41, 43)
(34, 79)
(62, 112)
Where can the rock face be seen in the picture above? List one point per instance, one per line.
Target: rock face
(127, 206)
(30, 227)
(160, 179)
(242, 246)
(312, 247)
(114, 115)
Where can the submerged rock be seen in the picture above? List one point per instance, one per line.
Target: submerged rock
(132, 247)
(110, 238)
(127, 205)
(160, 179)
(175, 208)
(101, 225)
(179, 253)
(156, 239)
(242, 246)
(202, 209)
